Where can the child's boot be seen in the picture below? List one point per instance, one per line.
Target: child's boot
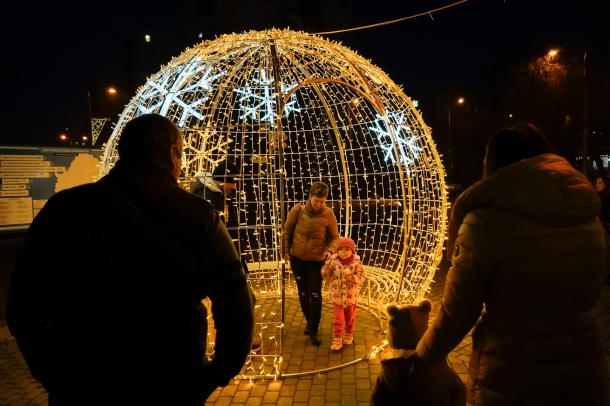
(348, 339)
(336, 345)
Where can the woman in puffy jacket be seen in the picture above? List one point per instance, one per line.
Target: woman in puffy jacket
(527, 271)
(309, 235)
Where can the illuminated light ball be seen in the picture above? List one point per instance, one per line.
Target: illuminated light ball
(277, 110)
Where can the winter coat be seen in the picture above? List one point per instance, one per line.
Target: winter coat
(309, 234)
(529, 260)
(604, 215)
(209, 191)
(343, 292)
(105, 302)
(405, 380)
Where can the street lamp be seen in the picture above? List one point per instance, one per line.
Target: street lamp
(460, 101)
(96, 124)
(552, 53)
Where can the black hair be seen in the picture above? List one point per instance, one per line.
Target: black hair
(148, 139)
(512, 144)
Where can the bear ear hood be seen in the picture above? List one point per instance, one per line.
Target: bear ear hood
(406, 324)
(392, 310)
(425, 306)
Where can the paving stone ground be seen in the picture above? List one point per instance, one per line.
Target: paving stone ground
(347, 386)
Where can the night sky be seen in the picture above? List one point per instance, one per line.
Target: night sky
(55, 52)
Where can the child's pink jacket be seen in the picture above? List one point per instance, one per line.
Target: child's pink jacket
(343, 292)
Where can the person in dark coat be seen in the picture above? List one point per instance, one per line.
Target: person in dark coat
(208, 188)
(527, 273)
(601, 187)
(603, 192)
(105, 301)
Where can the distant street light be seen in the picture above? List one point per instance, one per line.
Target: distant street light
(460, 101)
(585, 110)
(94, 124)
(63, 137)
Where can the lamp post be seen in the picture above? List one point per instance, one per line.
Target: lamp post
(585, 117)
(585, 109)
(111, 91)
(89, 112)
(460, 101)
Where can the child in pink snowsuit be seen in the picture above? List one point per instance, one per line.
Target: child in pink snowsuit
(345, 274)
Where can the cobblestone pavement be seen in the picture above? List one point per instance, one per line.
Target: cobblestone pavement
(347, 386)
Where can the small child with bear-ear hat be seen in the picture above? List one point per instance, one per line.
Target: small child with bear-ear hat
(404, 379)
(345, 274)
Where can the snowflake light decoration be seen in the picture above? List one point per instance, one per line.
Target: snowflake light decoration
(277, 110)
(257, 102)
(404, 148)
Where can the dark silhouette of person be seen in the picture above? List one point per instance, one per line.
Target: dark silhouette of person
(601, 187)
(106, 299)
(603, 191)
(208, 188)
(217, 188)
(527, 272)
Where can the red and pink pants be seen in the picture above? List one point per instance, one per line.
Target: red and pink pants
(344, 319)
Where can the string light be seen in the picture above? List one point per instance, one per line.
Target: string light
(342, 121)
(397, 20)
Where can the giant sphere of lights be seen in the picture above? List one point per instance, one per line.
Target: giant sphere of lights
(280, 109)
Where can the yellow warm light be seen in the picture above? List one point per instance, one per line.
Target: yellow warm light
(283, 109)
(553, 52)
(460, 100)
(111, 90)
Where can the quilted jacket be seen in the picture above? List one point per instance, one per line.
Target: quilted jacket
(309, 234)
(528, 264)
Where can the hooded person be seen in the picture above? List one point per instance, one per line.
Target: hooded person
(527, 271)
(403, 379)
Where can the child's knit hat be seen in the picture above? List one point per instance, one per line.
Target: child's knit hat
(346, 242)
(407, 324)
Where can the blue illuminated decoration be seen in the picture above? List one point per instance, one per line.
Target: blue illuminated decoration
(406, 141)
(172, 84)
(257, 100)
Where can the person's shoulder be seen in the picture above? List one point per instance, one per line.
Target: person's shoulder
(81, 192)
(297, 207)
(193, 202)
(296, 210)
(328, 212)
